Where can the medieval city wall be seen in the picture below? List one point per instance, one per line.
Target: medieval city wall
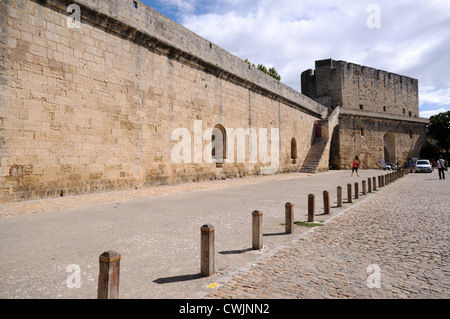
(94, 108)
(379, 113)
(379, 91)
(358, 87)
(375, 138)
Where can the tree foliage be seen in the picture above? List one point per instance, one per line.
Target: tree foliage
(271, 71)
(439, 130)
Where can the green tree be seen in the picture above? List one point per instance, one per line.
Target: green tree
(439, 130)
(272, 71)
(429, 151)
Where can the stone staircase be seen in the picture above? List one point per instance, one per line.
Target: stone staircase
(314, 156)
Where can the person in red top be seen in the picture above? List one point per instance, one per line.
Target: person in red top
(355, 166)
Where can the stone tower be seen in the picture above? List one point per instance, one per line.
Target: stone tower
(379, 112)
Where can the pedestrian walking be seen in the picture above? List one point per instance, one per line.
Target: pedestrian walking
(441, 167)
(355, 166)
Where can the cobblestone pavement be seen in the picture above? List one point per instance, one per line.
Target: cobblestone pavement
(405, 233)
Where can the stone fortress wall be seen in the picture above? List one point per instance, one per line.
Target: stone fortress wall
(379, 112)
(358, 87)
(93, 109)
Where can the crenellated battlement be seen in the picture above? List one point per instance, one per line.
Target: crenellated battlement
(359, 87)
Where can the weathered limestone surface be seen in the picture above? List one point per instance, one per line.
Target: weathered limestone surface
(354, 86)
(372, 138)
(378, 112)
(93, 108)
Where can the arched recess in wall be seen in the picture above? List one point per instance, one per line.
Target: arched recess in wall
(335, 157)
(293, 151)
(389, 148)
(219, 145)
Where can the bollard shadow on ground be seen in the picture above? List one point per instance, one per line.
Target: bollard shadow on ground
(322, 214)
(233, 252)
(275, 234)
(168, 280)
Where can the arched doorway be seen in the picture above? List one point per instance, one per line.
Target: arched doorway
(389, 148)
(219, 145)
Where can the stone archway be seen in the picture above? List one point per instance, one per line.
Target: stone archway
(389, 148)
(219, 144)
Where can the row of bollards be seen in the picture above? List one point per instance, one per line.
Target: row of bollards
(367, 187)
(109, 262)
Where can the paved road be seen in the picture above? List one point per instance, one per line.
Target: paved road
(159, 240)
(394, 245)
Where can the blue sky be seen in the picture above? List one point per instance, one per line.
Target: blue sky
(411, 38)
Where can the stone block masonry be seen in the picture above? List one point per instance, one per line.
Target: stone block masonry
(92, 109)
(358, 87)
(373, 138)
(378, 117)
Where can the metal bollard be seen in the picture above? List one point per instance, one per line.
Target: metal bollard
(207, 262)
(257, 234)
(375, 183)
(311, 207)
(109, 273)
(356, 190)
(289, 218)
(369, 185)
(364, 188)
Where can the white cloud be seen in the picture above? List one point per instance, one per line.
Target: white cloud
(433, 101)
(284, 32)
(414, 38)
(431, 95)
(428, 114)
(183, 6)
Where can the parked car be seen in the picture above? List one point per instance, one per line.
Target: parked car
(390, 167)
(423, 166)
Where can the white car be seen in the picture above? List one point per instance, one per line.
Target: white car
(423, 166)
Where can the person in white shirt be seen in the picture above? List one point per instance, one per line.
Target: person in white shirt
(441, 167)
